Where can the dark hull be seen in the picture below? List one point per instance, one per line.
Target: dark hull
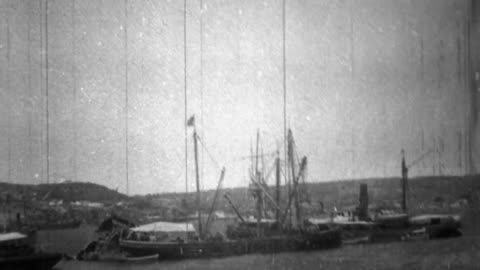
(383, 235)
(274, 244)
(42, 261)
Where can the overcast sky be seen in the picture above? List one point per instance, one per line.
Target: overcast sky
(364, 79)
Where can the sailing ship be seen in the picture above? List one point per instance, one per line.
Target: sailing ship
(390, 224)
(259, 235)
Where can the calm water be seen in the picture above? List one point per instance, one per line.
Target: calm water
(271, 261)
(69, 241)
(457, 253)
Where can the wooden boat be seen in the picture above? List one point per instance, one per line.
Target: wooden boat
(38, 261)
(436, 225)
(142, 259)
(122, 258)
(17, 253)
(220, 248)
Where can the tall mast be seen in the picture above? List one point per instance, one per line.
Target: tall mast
(291, 158)
(257, 191)
(256, 154)
(197, 182)
(277, 187)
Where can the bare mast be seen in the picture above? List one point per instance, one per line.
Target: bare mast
(277, 187)
(197, 178)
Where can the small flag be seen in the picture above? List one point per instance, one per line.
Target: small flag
(191, 121)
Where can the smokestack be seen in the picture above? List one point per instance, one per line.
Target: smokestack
(363, 206)
(404, 182)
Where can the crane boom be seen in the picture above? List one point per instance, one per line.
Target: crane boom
(234, 208)
(215, 198)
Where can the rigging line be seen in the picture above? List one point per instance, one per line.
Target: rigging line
(46, 93)
(74, 88)
(126, 95)
(29, 90)
(201, 86)
(9, 173)
(284, 65)
(208, 152)
(269, 173)
(284, 81)
(185, 88)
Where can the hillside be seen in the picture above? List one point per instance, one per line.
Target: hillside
(424, 192)
(69, 192)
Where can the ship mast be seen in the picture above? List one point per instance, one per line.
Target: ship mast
(197, 178)
(257, 191)
(277, 187)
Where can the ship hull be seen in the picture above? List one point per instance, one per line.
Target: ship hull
(43, 261)
(274, 244)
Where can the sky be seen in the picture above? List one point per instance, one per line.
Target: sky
(364, 79)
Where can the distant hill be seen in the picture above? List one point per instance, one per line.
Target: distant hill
(382, 192)
(72, 191)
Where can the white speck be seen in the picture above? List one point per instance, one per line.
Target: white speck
(259, 74)
(121, 27)
(144, 20)
(164, 83)
(99, 43)
(240, 12)
(140, 34)
(36, 175)
(84, 33)
(308, 118)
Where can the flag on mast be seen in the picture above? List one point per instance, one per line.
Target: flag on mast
(191, 121)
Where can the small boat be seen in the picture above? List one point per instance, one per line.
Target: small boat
(147, 258)
(436, 225)
(17, 253)
(123, 258)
